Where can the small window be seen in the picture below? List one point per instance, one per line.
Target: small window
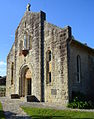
(78, 68)
(25, 24)
(48, 69)
(49, 77)
(21, 46)
(12, 68)
(30, 42)
(25, 43)
(49, 56)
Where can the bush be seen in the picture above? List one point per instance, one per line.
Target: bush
(81, 102)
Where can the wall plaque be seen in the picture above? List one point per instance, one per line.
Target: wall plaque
(53, 92)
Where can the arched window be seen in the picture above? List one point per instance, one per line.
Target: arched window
(21, 46)
(25, 42)
(12, 68)
(29, 42)
(25, 24)
(49, 56)
(78, 68)
(48, 66)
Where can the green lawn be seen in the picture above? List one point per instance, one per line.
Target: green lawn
(1, 112)
(37, 113)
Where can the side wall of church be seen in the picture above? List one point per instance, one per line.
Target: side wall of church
(56, 42)
(86, 83)
(10, 59)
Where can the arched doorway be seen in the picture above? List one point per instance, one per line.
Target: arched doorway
(28, 81)
(25, 82)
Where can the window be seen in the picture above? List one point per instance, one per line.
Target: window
(49, 56)
(25, 42)
(49, 77)
(78, 68)
(21, 46)
(30, 42)
(12, 68)
(48, 66)
(25, 24)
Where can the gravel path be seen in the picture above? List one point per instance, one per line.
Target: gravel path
(12, 109)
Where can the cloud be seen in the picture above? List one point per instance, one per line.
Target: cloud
(3, 72)
(2, 68)
(2, 63)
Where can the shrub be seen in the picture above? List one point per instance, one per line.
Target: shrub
(81, 102)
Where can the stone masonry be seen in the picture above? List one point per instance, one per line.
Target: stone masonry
(49, 54)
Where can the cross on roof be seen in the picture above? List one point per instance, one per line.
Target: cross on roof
(28, 7)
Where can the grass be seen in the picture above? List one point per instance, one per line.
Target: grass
(2, 116)
(40, 113)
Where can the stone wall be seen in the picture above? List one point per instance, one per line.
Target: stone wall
(56, 41)
(87, 68)
(46, 37)
(31, 24)
(10, 60)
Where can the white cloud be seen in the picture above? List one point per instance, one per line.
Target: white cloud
(3, 72)
(2, 63)
(2, 68)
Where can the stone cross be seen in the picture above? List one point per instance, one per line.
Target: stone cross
(28, 7)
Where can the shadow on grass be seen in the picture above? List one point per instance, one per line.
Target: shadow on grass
(56, 117)
(2, 116)
(50, 117)
(12, 115)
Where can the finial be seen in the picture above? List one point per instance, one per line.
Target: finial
(28, 7)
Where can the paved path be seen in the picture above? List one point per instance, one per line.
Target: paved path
(12, 109)
(43, 105)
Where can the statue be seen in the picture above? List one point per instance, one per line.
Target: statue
(28, 7)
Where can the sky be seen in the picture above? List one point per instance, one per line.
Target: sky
(79, 14)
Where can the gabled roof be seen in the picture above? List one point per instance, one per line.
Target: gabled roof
(82, 45)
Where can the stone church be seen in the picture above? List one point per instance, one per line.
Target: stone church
(46, 62)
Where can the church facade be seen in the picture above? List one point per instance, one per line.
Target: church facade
(45, 61)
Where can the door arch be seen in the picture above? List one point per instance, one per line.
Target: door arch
(28, 81)
(25, 82)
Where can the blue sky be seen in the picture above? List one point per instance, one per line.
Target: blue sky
(79, 14)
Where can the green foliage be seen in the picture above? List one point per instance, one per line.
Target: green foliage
(80, 101)
(41, 113)
(2, 116)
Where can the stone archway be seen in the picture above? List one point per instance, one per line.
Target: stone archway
(28, 82)
(25, 82)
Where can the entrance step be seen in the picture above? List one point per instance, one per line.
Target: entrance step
(32, 98)
(15, 96)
